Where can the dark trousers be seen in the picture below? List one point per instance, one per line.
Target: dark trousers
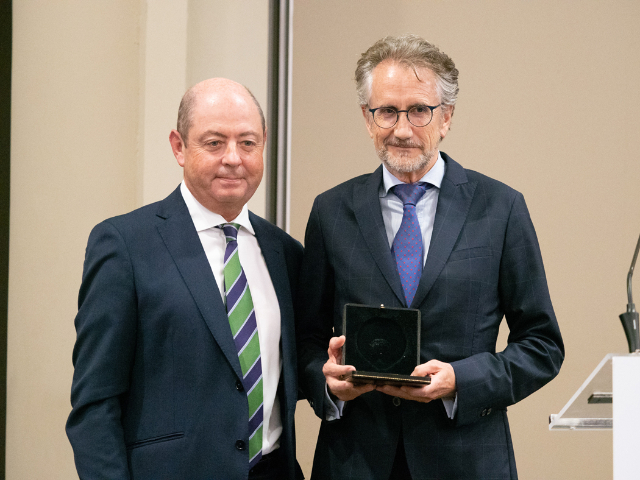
(400, 469)
(270, 467)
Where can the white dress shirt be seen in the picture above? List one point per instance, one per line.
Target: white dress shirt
(392, 206)
(265, 302)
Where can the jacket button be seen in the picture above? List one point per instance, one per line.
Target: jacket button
(239, 386)
(396, 401)
(489, 411)
(484, 413)
(240, 445)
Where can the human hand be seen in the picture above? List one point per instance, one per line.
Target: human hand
(333, 372)
(443, 383)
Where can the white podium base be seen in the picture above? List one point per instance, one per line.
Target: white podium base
(626, 417)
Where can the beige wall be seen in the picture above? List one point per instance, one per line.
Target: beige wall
(73, 163)
(549, 105)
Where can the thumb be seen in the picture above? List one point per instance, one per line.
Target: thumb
(335, 348)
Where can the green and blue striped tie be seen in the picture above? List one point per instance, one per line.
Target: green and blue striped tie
(242, 319)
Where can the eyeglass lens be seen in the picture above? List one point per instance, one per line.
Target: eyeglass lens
(386, 117)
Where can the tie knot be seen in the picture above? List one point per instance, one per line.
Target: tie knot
(410, 193)
(230, 231)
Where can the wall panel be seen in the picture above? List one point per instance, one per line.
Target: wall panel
(73, 163)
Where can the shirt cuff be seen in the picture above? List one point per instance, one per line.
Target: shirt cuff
(451, 406)
(332, 410)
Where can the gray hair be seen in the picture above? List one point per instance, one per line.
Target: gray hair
(188, 103)
(414, 52)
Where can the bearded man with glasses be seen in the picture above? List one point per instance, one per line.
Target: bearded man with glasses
(422, 232)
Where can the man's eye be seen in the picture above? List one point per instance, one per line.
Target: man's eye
(419, 109)
(214, 143)
(248, 143)
(387, 111)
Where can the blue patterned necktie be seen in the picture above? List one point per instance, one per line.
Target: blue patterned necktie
(407, 246)
(242, 319)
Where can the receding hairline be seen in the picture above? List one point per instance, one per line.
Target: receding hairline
(191, 96)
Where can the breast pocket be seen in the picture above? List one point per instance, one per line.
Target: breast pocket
(469, 253)
(464, 277)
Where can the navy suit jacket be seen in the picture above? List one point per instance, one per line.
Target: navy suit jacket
(156, 390)
(483, 264)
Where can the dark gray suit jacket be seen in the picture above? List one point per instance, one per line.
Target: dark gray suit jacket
(156, 390)
(484, 263)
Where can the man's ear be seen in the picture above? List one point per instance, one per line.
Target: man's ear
(367, 119)
(177, 145)
(447, 115)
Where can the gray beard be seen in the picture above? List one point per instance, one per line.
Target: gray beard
(404, 164)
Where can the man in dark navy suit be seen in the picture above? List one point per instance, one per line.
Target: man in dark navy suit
(185, 360)
(422, 232)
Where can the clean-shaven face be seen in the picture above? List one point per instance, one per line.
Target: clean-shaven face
(222, 159)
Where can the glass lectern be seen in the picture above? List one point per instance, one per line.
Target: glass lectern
(591, 407)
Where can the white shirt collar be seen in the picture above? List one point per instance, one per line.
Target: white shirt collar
(203, 218)
(434, 176)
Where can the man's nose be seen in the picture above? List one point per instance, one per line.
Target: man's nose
(232, 155)
(402, 128)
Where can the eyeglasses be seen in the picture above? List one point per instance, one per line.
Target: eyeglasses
(418, 116)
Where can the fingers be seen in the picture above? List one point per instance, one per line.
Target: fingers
(443, 378)
(346, 391)
(443, 383)
(430, 368)
(342, 389)
(335, 349)
(334, 371)
(417, 394)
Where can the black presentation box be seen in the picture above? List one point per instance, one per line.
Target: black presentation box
(383, 344)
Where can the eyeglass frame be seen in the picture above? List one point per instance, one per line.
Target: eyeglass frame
(398, 112)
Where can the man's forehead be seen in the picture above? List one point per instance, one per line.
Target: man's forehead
(225, 108)
(401, 84)
(219, 123)
(241, 131)
(392, 71)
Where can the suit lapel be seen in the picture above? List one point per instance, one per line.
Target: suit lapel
(454, 201)
(182, 241)
(273, 253)
(366, 206)
(274, 256)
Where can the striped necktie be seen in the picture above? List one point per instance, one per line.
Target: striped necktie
(242, 319)
(407, 246)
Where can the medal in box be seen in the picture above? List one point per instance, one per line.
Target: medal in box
(383, 344)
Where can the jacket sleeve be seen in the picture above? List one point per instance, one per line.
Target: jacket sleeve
(535, 350)
(102, 356)
(314, 314)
